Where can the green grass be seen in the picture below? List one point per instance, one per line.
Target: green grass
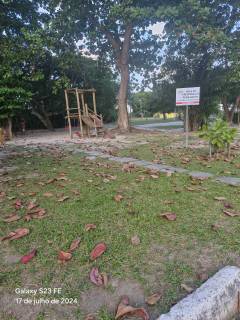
(140, 121)
(170, 253)
(162, 147)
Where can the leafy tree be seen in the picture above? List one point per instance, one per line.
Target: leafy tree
(163, 98)
(18, 19)
(202, 48)
(117, 31)
(140, 103)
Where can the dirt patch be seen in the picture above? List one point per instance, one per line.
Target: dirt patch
(96, 298)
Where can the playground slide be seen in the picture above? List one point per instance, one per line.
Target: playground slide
(90, 122)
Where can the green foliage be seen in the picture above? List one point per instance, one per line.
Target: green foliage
(219, 135)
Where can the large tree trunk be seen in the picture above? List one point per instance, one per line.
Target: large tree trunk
(121, 52)
(44, 118)
(123, 120)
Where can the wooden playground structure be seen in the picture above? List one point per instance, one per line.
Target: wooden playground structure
(90, 123)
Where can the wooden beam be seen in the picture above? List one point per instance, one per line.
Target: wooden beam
(94, 102)
(68, 114)
(79, 113)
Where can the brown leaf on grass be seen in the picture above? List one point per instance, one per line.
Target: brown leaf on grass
(99, 279)
(169, 216)
(11, 218)
(125, 310)
(51, 181)
(18, 204)
(25, 259)
(63, 198)
(187, 288)
(62, 178)
(48, 194)
(190, 189)
(90, 226)
(231, 213)
(39, 213)
(32, 194)
(154, 176)
(228, 205)
(74, 245)
(118, 197)
(16, 234)
(64, 256)
(168, 201)
(128, 167)
(153, 299)
(98, 250)
(31, 205)
(135, 240)
(76, 192)
(219, 198)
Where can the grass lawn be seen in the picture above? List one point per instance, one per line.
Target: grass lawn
(170, 253)
(168, 149)
(140, 121)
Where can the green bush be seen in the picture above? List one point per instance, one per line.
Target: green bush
(219, 136)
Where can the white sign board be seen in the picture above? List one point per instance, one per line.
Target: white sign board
(188, 96)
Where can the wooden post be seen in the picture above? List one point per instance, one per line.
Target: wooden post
(86, 110)
(83, 103)
(68, 114)
(94, 102)
(79, 113)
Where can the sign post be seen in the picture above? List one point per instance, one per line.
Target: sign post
(187, 97)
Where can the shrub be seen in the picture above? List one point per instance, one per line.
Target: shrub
(219, 136)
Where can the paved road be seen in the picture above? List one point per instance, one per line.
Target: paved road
(154, 126)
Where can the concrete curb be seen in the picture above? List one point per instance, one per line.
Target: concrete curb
(216, 299)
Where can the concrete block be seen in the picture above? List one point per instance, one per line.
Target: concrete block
(216, 299)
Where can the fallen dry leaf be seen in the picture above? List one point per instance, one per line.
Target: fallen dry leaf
(48, 194)
(128, 167)
(169, 216)
(16, 234)
(31, 205)
(135, 240)
(98, 250)
(187, 288)
(90, 226)
(99, 279)
(118, 197)
(231, 213)
(153, 299)
(125, 310)
(12, 217)
(64, 256)
(219, 198)
(154, 176)
(62, 199)
(74, 245)
(25, 259)
(228, 205)
(18, 204)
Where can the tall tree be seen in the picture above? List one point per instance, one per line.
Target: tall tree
(117, 31)
(18, 21)
(202, 48)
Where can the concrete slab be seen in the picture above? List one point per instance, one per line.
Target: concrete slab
(216, 299)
